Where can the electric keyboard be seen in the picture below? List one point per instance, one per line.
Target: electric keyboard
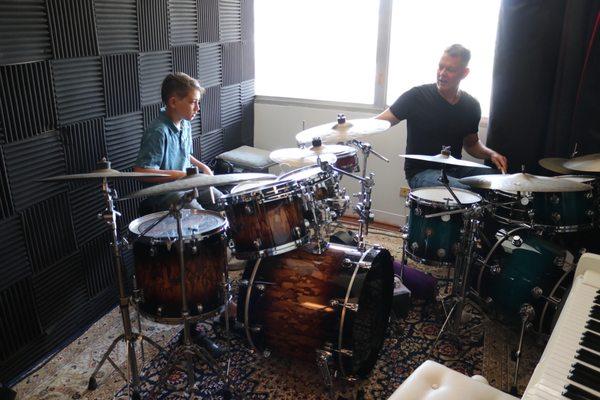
(570, 365)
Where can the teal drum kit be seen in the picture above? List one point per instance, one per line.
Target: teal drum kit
(511, 243)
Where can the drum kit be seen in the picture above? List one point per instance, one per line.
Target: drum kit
(505, 242)
(299, 295)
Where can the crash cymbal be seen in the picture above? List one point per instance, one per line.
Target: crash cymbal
(588, 163)
(523, 182)
(107, 173)
(444, 159)
(198, 181)
(343, 132)
(555, 164)
(295, 157)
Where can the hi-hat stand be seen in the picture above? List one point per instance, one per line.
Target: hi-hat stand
(109, 215)
(188, 350)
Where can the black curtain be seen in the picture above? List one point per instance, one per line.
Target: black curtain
(546, 86)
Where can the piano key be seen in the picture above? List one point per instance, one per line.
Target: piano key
(576, 393)
(585, 376)
(593, 325)
(595, 313)
(591, 341)
(588, 357)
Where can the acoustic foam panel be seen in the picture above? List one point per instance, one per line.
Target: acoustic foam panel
(87, 201)
(6, 205)
(247, 60)
(230, 20)
(210, 70)
(231, 105)
(117, 26)
(98, 265)
(154, 67)
(208, 21)
(29, 161)
(79, 90)
(121, 86)
(183, 22)
(247, 7)
(84, 145)
(211, 144)
(72, 28)
(24, 31)
(15, 264)
(150, 112)
(153, 17)
(123, 138)
(185, 60)
(27, 99)
(210, 109)
(232, 63)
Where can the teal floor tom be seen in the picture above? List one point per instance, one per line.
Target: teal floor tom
(435, 241)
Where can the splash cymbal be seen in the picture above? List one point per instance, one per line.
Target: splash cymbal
(198, 181)
(523, 182)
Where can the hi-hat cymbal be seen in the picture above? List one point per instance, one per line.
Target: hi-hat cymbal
(555, 164)
(343, 132)
(444, 159)
(523, 182)
(295, 157)
(587, 163)
(107, 173)
(198, 181)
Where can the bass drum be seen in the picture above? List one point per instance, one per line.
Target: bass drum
(331, 308)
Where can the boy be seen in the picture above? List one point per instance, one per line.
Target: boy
(166, 146)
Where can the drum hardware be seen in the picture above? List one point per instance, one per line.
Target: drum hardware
(188, 350)
(527, 314)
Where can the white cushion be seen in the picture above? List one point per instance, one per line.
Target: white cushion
(433, 381)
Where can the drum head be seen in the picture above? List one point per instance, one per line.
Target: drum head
(193, 222)
(441, 195)
(301, 174)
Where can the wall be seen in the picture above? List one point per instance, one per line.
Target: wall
(80, 80)
(275, 127)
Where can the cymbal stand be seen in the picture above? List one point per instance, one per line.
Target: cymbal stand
(109, 215)
(188, 349)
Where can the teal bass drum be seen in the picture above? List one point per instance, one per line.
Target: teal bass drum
(524, 269)
(435, 241)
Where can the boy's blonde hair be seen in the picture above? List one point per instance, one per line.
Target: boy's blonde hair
(178, 84)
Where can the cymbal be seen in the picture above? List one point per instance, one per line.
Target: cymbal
(295, 157)
(555, 164)
(587, 163)
(523, 182)
(197, 181)
(444, 159)
(107, 173)
(333, 132)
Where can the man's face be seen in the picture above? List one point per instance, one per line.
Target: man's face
(450, 72)
(188, 106)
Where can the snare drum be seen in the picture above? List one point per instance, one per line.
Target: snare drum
(331, 308)
(323, 186)
(435, 241)
(265, 219)
(157, 269)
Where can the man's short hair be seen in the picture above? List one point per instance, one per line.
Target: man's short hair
(178, 84)
(458, 50)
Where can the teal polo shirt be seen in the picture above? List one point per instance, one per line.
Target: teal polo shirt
(164, 146)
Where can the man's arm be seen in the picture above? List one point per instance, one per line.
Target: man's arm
(387, 115)
(474, 147)
(201, 166)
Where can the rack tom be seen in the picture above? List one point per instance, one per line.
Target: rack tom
(435, 241)
(265, 219)
(157, 268)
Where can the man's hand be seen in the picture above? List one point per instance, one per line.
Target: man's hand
(499, 161)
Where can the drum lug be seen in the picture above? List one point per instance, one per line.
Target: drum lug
(554, 199)
(344, 352)
(559, 261)
(341, 303)
(200, 308)
(589, 195)
(555, 216)
(169, 243)
(347, 263)
(297, 232)
(243, 283)
(248, 210)
(257, 243)
(418, 211)
(152, 251)
(159, 311)
(323, 358)
(517, 241)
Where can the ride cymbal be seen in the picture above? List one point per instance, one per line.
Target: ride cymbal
(523, 182)
(198, 181)
(587, 163)
(343, 132)
(555, 164)
(107, 173)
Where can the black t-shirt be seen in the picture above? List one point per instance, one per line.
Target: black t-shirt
(432, 122)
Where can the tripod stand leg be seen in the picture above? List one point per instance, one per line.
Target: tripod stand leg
(92, 384)
(442, 330)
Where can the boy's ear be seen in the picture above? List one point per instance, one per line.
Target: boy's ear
(171, 101)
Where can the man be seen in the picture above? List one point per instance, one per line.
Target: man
(167, 143)
(439, 115)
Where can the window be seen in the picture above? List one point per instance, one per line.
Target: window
(327, 49)
(416, 44)
(316, 49)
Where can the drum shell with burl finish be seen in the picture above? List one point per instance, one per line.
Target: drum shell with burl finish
(347, 161)
(435, 241)
(296, 306)
(265, 219)
(157, 267)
